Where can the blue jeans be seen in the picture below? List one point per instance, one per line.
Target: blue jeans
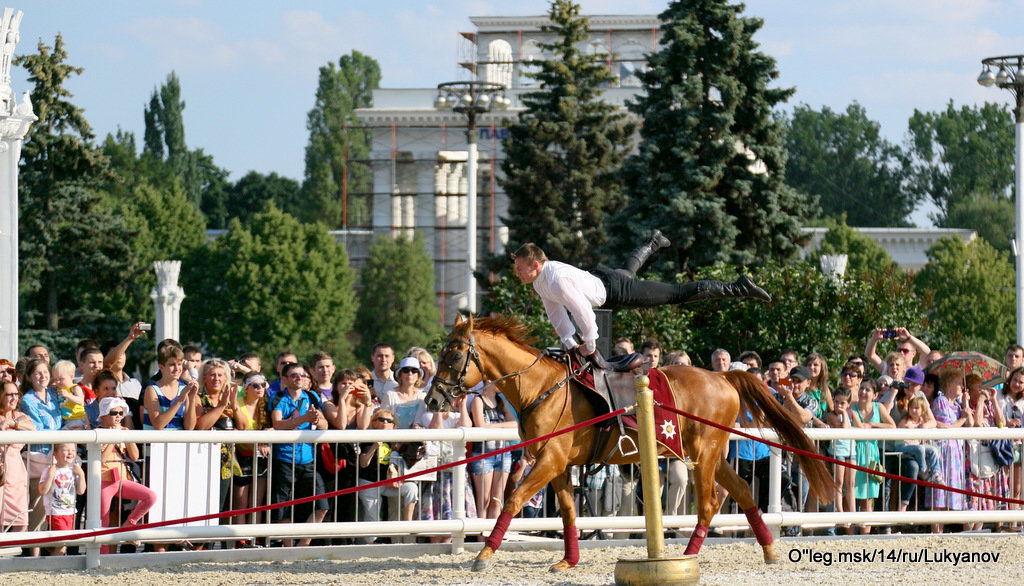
(501, 462)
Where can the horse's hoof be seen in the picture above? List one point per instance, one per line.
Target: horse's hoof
(769, 554)
(562, 566)
(480, 565)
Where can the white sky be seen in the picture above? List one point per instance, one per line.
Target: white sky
(248, 69)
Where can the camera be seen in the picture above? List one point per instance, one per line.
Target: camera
(145, 327)
(899, 385)
(889, 334)
(785, 382)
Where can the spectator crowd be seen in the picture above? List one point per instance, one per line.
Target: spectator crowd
(41, 486)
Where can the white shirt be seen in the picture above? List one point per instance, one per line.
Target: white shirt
(566, 289)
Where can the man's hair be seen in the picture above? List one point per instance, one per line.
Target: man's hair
(192, 349)
(750, 354)
(168, 352)
(288, 368)
(167, 342)
(88, 351)
(720, 351)
(28, 351)
(248, 356)
(85, 344)
(530, 252)
(789, 351)
(650, 344)
(1010, 348)
(380, 345)
(320, 355)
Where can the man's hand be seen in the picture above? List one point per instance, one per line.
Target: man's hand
(584, 350)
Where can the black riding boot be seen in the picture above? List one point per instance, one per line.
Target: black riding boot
(638, 257)
(743, 288)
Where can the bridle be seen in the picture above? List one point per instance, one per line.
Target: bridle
(457, 388)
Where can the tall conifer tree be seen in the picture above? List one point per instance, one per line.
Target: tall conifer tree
(564, 150)
(709, 171)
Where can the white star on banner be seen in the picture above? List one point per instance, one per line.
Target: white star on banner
(668, 429)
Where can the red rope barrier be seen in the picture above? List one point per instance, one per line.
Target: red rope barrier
(311, 498)
(829, 459)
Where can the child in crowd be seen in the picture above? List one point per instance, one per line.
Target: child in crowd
(59, 485)
(927, 456)
(842, 417)
(72, 399)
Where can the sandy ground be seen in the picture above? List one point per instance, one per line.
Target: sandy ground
(992, 559)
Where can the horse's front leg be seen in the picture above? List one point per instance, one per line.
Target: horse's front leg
(538, 477)
(570, 536)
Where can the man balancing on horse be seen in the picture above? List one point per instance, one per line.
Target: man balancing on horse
(565, 289)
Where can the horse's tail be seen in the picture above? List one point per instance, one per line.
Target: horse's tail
(763, 406)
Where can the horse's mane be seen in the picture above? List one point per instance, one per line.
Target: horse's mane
(508, 326)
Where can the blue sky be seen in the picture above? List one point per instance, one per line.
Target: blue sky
(248, 69)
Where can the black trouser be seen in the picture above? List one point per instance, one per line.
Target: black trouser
(622, 290)
(759, 469)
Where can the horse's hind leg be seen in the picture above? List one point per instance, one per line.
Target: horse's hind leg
(740, 491)
(570, 536)
(540, 475)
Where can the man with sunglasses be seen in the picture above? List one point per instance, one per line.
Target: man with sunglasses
(907, 345)
(294, 468)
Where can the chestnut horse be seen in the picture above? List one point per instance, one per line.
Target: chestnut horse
(498, 349)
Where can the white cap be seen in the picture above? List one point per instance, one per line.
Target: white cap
(108, 403)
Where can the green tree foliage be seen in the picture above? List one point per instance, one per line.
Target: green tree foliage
(72, 247)
(251, 193)
(808, 314)
(564, 150)
(993, 218)
(397, 304)
(710, 169)
(507, 295)
(842, 160)
(166, 226)
(204, 182)
(961, 154)
(973, 286)
(338, 148)
(864, 254)
(274, 283)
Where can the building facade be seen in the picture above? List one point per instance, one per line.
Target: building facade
(419, 154)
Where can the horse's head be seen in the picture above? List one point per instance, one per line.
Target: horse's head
(453, 378)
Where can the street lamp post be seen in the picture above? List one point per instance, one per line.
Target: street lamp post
(471, 98)
(1010, 76)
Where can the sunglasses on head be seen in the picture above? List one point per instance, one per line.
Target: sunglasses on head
(385, 420)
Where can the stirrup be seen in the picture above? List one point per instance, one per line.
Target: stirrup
(623, 452)
(688, 462)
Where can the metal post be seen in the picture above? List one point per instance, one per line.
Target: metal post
(93, 476)
(649, 468)
(471, 212)
(1018, 184)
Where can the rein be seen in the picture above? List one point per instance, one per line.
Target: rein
(525, 411)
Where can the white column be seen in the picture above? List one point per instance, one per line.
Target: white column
(15, 120)
(167, 297)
